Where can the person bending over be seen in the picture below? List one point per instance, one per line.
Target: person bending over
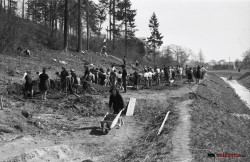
(116, 102)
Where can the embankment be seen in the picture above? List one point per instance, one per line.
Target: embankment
(219, 123)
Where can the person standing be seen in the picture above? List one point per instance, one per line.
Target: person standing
(86, 76)
(124, 78)
(44, 84)
(28, 86)
(102, 77)
(119, 80)
(189, 73)
(113, 78)
(198, 74)
(166, 74)
(150, 77)
(158, 75)
(136, 78)
(74, 81)
(146, 77)
(203, 72)
(63, 76)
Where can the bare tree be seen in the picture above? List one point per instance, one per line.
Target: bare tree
(87, 24)
(66, 24)
(23, 9)
(113, 46)
(79, 47)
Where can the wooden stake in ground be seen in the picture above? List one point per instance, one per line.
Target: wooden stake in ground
(131, 107)
(166, 117)
(1, 103)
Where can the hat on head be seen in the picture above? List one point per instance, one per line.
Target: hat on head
(72, 70)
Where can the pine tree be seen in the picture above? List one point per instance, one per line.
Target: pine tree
(155, 40)
(66, 10)
(79, 46)
(130, 14)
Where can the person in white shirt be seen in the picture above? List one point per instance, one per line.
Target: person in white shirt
(158, 75)
(203, 72)
(119, 80)
(181, 72)
(146, 77)
(150, 77)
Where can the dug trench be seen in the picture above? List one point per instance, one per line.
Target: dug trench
(67, 128)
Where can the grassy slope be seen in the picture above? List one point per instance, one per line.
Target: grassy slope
(12, 67)
(214, 128)
(235, 74)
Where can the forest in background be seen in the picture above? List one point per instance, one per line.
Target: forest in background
(78, 25)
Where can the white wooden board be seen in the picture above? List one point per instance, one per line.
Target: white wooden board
(116, 120)
(131, 107)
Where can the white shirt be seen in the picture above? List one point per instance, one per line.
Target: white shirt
(158, 70)
(150, 74)
(181, 71)
(146, 75)
(203, 69)
(119, 76)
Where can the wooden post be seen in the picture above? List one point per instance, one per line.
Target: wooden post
(163, 123)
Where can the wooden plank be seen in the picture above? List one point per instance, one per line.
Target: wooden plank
(163, 123)
(131, 107)
(116, 120)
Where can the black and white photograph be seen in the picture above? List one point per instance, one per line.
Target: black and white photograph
(124, 80)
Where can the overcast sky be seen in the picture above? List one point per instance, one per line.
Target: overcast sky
(221, 28)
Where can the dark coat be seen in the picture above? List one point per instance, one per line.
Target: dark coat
(116, 102)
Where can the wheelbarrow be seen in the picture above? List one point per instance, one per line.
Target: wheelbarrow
(109, 121)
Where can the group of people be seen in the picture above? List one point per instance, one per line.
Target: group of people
(29, 83)
(198, 73)
(167, 74)
(159, 75)
(112, 78)
(70, 81)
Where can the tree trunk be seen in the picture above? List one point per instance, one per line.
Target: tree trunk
(23, 9)
(66, 15)
(79, 47)
(154, 56)
(1, 7)
(87, 25)
(126, 36)
(4, 6)
(52, 13)
(113, 46)
(9, 9)
(110, 8)
(55, 16)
